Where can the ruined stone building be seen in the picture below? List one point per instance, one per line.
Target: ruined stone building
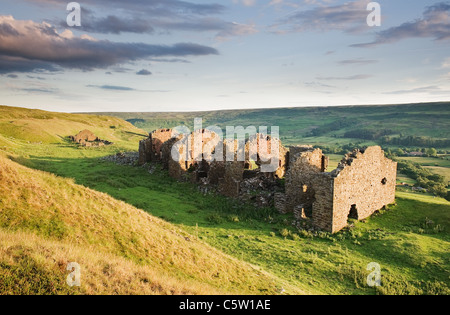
(363, 182)
(88, 139)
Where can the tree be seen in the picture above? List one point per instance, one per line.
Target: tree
(399, 152)
(431, 152)
(439, 190)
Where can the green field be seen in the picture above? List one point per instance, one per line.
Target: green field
(440, 166)
(410, 240)
(428, 161)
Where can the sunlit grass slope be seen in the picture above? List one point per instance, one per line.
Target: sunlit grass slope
(37, 126)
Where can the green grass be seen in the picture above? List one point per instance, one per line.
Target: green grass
(439, 166)
(427, 161)
(51, 219)
(334, 160)
(309, 263)
(410, 241)
(405, 179)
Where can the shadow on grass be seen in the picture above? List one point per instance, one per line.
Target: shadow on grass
(157, 193)
(135, 134)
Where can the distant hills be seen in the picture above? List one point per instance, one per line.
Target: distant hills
(318, 125)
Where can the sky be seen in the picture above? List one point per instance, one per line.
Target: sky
(201, 55)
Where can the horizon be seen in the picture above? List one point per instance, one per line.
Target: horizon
(240, 109)
(207, 55)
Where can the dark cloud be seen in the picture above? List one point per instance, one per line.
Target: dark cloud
(145, 16)
(115, 25)
(12, 76)
(144, 72)
(161, 7)
(40, 47)
(10, 64)
(7, 30)
(435, 23)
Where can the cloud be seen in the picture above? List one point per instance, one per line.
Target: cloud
(10, 64)
(426, 89)
(446, 63)
(114, 25)
(144, 72)
(12, 76)
(170, 60)
(358, 61)
(435, 23)
(112, 87)
(153, 7)
(39, 47)
(222, 28)
(39, 91)
(348, 17)
(314, 84)
(148, 16)
(349, 78)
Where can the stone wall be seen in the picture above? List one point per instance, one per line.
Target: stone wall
(150, 149)
(259, 149)
(158, 138)
(145, 151)
(322, 207)
(305, 163)
(363, 183)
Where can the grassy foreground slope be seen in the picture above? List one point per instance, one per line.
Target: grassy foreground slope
(47, 221)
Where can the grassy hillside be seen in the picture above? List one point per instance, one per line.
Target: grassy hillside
(37, 126)
(47, 221)
(84, 219)
(320, 263)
